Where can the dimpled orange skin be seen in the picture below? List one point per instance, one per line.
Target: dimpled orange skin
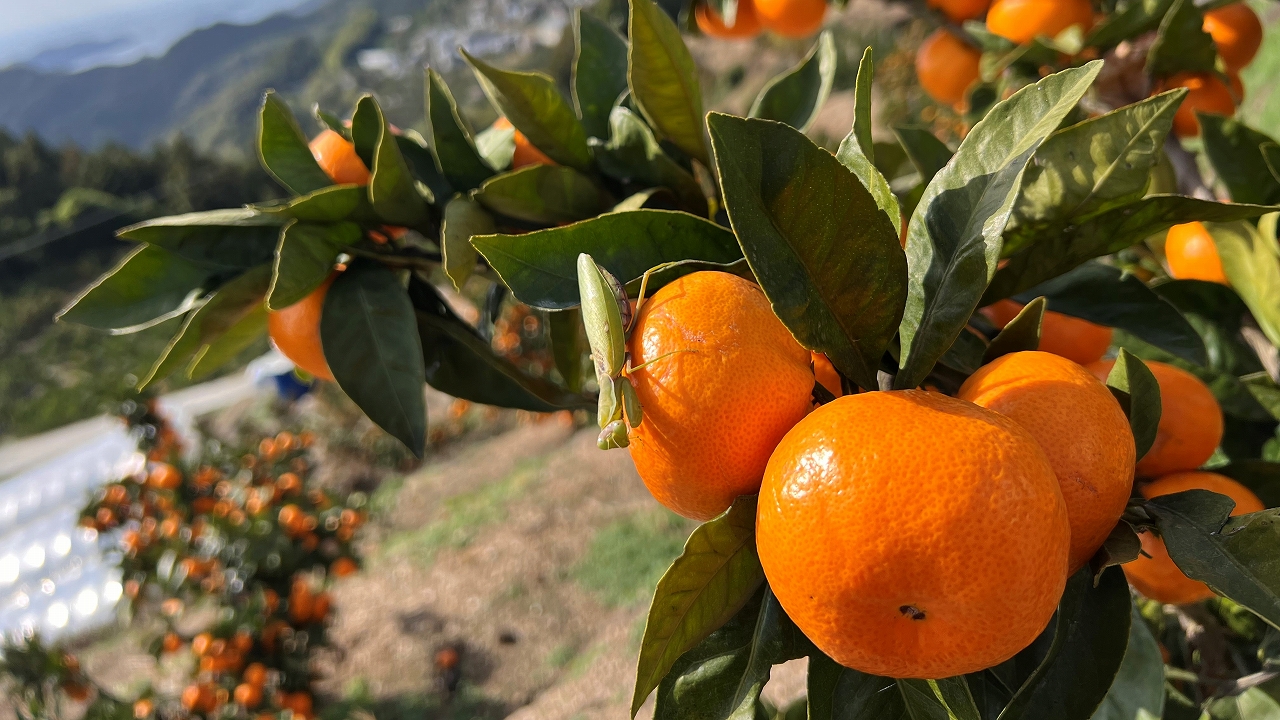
(1157, 577)
(1192, 254)
(1074, 339)
(337, 157)
(746, 25)
(1237, 32)
(792, 18)
(295, 330)
(960, 10)
(1081, 428)
(1206, 93)
(714, 410)
(1190, 420)
(947, 67)
(526, 154)
(892, 525)
(1024, 20)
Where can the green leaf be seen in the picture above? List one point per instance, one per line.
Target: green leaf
(1181, 43)
(1260, 476)
(149, 286)
(1139, 684)
(926, 152)
(947, 699)
(283, 149)
(633, 155)
(954, 238)
(223, 239)
(796, 96)
(857, 151)
(460, 363)
(533, 104)
(1109, 232)
(235, 340)
(230, 304)
(722, 677)
(1104, 295)
(599, 72)
(1022, 333)
(1091, 633)
(540, 267)
(840, 693)
(366, 128)
(422, 165)
(305, 259)
(451, 139)
(1251, 261)
(1235, 151)
(1138, 17)
(1234, 556)
(1091, 167)
(712, 580)
(569, 346)
(1252, 704)
(664, 79)
(1138, 392)
(463, 218)
(544, 194)
(497, 145)
(330, 121)
(370, 339)
(862, 103)
(391, 187)
(826, 257)
(1121, 546)
(332, 204)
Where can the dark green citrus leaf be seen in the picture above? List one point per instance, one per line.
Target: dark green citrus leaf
(366, 128)
(862, 103)
(218, 239)
(451, 139)
(392, 191)
(147, 287)
(633, 155)
(796, 96)
(250, 328)
(840, 693)
(1022, 333)
(1234, 556)
(1235, 151)
(331, 121)
(370, 339)
(544, 194)
(1138, 392)
(460, 363)
(1121, 546)
(1252, 704)
(332, 204)
(1233, 394)
(599, 72)
(947, 699)
(541, 267)
(1251, 259)
(422, 165)
(532, 103)
(1139, 685)
(569, 346)
(926, 152)
(664, 79)
(954, 237)
(716, 575)
(1133, 20)
(1181, 43)
(1260, 476)
(305, 258)
(463, 218)
(1091, 633)
(857, 151)
(283, 149)
(826, 256)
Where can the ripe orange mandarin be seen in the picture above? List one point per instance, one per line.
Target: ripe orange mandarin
(745, 25)
(892, 525)
(727, 381)
(826, 375)
(958, 11)
(1079, 425)
(295, 330)
(947, 67)
(1206, 93)
(1158, 577)
(1192, 254)
(792, 18)
(337, 157)
(526, 154)
(1237, 32)
(1190, 420)
(1024, 20)
(1074, 339)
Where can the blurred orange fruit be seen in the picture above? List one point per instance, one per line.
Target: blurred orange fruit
(745, 25)
(792, 18)
(295, 330)
(1192, 254)
(947, 67)
(1022, 21)
(1237, 32)
(1206, 93)
(337, 157)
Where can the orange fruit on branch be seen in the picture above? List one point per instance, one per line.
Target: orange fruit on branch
(1237, 32)
(295, 331)
(892, 527)
(721, 380)
(1025, 20)
(164, 477)
(745, 25)
(1206, 93)
(947, 67)
(1081, 428)
(1192, 254)
(1191, 423)
(248, 696)
(1070, 337)
(337, 156)
(1157, 576)
(792, 18)
(526, 154)
(957, 11)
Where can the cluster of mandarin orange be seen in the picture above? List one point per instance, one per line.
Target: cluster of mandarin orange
(947, 64)
(240, 533)
(787, 18)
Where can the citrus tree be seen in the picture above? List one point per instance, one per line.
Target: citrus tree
(876, 374)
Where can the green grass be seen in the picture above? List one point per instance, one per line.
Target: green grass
(466, 515)
(627, 558)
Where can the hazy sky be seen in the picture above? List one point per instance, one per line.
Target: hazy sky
(25, 16)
